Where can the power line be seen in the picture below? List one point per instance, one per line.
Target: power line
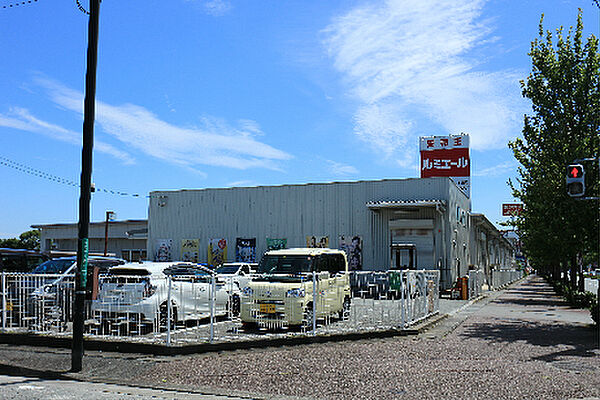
(57, 179)
(82, 8)
(20, 3)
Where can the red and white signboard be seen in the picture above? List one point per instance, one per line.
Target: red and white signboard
(511, 209)
(447, 156)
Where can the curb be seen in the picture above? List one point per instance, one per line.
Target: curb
(26, 339)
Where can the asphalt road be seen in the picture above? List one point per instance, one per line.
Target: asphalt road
(523, 342)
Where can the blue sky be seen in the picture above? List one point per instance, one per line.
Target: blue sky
(218, 93)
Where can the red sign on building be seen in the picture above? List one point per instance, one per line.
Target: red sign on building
(511, 209)
(447, 156)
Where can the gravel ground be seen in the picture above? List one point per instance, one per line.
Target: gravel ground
(520, 343)
(517, 346)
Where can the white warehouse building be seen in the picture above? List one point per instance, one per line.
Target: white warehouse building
(391, 223)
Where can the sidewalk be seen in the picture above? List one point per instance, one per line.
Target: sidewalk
(522, 342)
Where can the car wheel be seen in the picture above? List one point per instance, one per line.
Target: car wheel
(233, 305)
(307, 320)
(164, 312)
(344, 313)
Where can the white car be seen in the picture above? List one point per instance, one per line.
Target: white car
(237, 273)
(134, 298)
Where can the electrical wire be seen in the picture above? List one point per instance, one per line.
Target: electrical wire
(19, 3)
(45, 175)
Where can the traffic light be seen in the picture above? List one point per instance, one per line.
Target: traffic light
(575, 180)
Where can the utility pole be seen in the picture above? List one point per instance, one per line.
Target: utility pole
(86, 186)
(110, 215)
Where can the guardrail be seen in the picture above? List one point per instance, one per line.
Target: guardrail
(501, 277)
(191, 309)
(476, 281)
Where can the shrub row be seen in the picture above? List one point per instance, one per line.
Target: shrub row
(576, 298)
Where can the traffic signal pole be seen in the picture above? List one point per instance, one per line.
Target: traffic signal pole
(86, 186)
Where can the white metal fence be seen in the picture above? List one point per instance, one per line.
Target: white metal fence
(476, 281)
(192, 309)
(501, 277)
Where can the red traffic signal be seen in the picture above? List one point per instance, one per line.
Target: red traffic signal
(575, 171)
(575, 180)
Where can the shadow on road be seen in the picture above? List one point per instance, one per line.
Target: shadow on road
(581, 339)
(535, 298)
(12, 370)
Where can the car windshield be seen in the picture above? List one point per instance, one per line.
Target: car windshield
(227, 269)
(53, 267)
(284, 264)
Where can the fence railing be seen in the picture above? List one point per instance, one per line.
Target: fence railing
(192, 309)
(501, 277)
(476, 282)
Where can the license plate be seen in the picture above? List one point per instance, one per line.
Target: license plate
(267, 308)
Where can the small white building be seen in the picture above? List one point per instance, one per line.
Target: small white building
(126, 239)
(490, 250)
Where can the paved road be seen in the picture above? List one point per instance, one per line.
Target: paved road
(520, 343)
(13, 387)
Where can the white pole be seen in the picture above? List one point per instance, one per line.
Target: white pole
(169, 312)
(314, 316)
(3, 301)
(402, 299)
(212, 308)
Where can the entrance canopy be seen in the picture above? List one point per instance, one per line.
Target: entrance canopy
(394, 204)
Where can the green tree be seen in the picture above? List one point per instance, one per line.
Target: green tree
(30, 239)
(564, 89)
(27, 240)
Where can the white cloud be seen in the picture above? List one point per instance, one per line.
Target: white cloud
(339, 169)
(497, 170)
(403, 60)
(217, 8)
(214, 143)
(242, 183)
(21, 119)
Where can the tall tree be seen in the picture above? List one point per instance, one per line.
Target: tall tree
(27, 240)
(564, 89)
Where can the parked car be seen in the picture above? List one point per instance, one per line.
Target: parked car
(134, 298)
(237, 273)
(236, 276)
(20, 260)
(283, 293)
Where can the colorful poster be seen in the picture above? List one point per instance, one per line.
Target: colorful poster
(276, 244)
(317, 241)
(162, 249)
(352, 245)
(245, 250)
(447, 156)
(190, 248)
(217, 251)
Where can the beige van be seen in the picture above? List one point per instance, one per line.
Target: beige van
(282, 295)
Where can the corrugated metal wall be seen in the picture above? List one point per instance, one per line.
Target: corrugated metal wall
(297, 211)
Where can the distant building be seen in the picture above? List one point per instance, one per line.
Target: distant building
(489, 248)
(126, 239)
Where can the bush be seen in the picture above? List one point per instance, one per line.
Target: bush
(577, 299)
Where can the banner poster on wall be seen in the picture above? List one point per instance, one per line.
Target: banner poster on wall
(190, 248)
(245, 250)
(317, 241)
(162, 249)
(447, 156)
(352, 245)
(276, 244)
(217, 251)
